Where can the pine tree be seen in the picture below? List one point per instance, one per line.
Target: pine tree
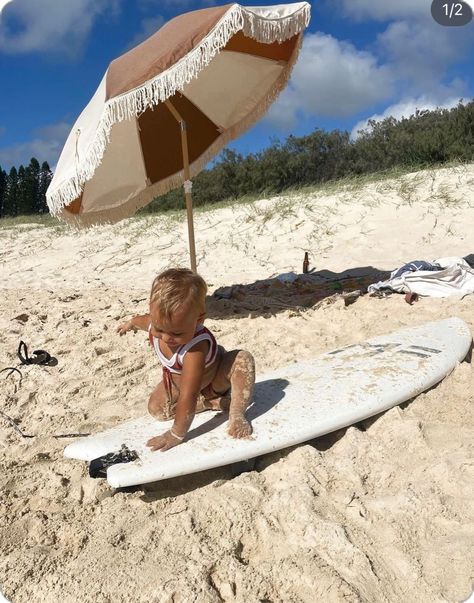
(3, 191)
(22, 201)
(31, 188)
(11, 198)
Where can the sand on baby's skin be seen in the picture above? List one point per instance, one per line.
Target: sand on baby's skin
(382, 511)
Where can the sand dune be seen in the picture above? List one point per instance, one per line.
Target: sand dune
(381, 511)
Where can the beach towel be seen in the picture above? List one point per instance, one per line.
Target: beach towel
(440, 278)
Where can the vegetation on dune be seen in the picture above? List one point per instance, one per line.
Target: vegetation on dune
(428, 138)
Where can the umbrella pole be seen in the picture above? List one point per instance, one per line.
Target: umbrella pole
(187, 183)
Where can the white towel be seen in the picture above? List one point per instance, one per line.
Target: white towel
(455, 278)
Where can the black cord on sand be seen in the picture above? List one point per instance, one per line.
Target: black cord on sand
(12, 422)
(24, 435)
(14, 425)
(71, 435)
(12, 370)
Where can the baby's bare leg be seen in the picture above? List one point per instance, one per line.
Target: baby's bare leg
(237, 368)
(209, 399)
(162, 404)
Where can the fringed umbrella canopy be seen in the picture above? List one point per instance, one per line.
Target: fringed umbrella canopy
(202, 80)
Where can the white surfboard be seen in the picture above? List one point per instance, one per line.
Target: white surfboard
(293, 404)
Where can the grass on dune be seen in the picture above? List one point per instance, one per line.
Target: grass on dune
(350, 184)
(29, 220)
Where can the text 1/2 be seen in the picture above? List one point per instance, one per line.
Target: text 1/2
(451, 12)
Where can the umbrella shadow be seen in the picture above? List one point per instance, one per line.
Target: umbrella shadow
(271, 296)
(267, 394)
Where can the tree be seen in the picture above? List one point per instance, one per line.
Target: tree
(31, 187)
(3, 191)
(22, 201)
(11, 197)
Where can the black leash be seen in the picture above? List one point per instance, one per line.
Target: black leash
(39, 356)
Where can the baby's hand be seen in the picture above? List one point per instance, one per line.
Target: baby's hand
(163, 442)
(126, 326)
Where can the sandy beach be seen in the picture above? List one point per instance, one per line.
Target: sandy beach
(380, 512)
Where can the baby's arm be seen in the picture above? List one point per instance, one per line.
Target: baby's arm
(190, 386)
(140, 322)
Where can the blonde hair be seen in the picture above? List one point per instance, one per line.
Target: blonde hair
(176, 288)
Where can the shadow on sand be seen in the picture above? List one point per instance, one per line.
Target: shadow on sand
(274, 295)
(271, 296)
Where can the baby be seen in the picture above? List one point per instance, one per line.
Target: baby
(198, 374)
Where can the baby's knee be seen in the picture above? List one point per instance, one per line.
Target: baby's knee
(245, 362)
(159, 408)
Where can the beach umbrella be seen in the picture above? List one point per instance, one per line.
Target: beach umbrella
(166, 107)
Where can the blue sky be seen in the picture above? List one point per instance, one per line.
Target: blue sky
(360, 59)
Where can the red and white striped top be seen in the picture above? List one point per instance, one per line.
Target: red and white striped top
(175, 363)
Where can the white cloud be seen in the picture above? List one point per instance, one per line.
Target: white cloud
(57, 26)
(46, 145)
(420, 52)
(388, 10)
(385, 10)
(413, 46)
(405, 108)
(408, 66)
(332, 79)
(283, 113)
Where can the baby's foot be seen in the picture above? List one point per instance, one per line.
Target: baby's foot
(203, 404)
(222, 403)
(239, 427)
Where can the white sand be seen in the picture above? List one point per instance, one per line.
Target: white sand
(378, 513)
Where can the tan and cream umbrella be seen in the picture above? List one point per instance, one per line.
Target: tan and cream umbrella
(166, 107)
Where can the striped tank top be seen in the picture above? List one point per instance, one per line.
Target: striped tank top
(175, 363)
